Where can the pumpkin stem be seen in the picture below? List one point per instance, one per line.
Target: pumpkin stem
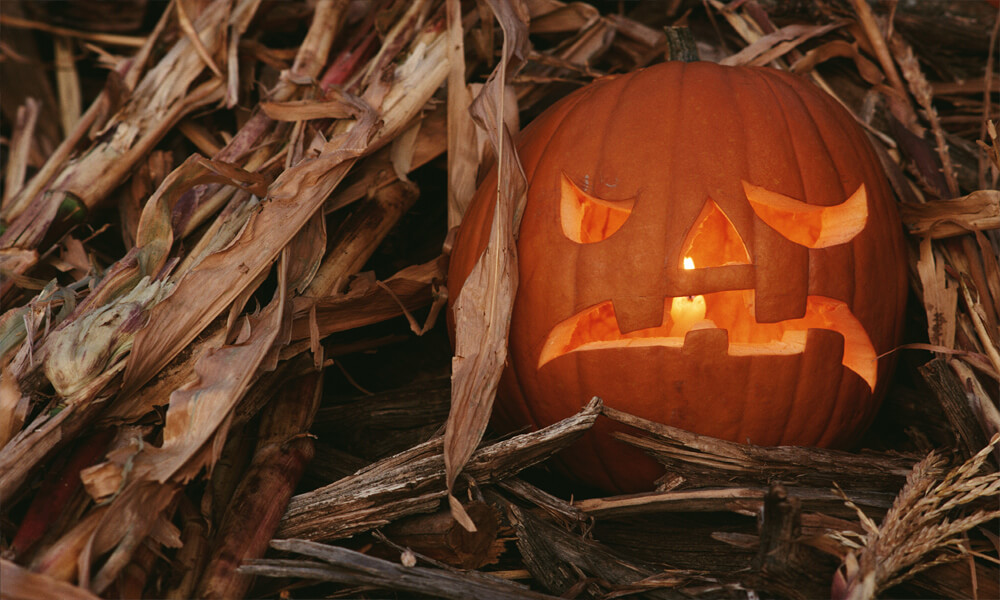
(681, 45)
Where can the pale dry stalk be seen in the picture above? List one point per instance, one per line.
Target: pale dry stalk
(482, 309)
(161, 99)
(209, 288)
(252, 516)
(198, 414)
(924, 95)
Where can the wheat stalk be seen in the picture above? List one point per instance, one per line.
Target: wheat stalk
(920, 530)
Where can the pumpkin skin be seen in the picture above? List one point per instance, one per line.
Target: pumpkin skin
(645, 159)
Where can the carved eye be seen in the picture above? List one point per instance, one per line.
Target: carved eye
(586, 219)
(713, 240)
(807, 224)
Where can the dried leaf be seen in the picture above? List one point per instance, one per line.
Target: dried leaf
(368, 302)
(239, 20)
(358, 237)
(482, 309)
(22, 584)
(20, 148)
(874, 37)
(72, 259)
(192, 34)
(978, 315)
(402, 150)
(196, 413)
(161, 99)
(18, 326)
(13, 262)
(45, 433)
(195, 430)
(305, 110)
(391, 59)
(211, 286)
(68, 84)
(839, 49)
(305, 253)
(13, 407)
(552, 16)
(462, 160)
(940, 299)
(104, 479)
(978, 211)
(991, 269)
(80, 352)
(775, 45)
(922, 93)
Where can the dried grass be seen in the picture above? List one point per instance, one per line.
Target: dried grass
(920, 530)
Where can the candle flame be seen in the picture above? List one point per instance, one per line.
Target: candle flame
(686, 311)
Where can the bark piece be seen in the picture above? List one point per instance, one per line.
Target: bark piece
(440, 537)
(353, 568)
(706, 461)
(784, 565)
(561, 560)
(413, 481)
(948, 391)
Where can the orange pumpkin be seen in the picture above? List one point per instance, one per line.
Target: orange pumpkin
(713, 248)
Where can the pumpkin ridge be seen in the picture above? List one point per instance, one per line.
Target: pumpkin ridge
(745, 399)
(829, 432)
(525, 404)
(847, 288)
(628, 82)
(591, 169)
(825, 109)
(782, 109)
(756, 362)
(880, 213)
(822, 102)
(572, 102)
(797, 403)
(791, 93)
(673, 182)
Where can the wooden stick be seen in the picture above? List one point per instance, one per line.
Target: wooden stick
(413, 481)
(353, 568)
(258, 503)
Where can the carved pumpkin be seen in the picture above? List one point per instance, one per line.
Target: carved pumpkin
(713, 248)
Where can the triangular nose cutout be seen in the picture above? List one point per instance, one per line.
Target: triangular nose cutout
(713, 241)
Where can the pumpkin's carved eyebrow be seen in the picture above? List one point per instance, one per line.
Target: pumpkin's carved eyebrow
(810, 225)
(587, 219)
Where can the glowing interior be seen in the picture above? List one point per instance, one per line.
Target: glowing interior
(807, 224)
(587, 219)
(597, 327)
(713, 240)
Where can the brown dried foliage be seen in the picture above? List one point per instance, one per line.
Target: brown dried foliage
(193, 191)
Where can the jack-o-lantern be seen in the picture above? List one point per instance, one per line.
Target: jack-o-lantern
(713, 248)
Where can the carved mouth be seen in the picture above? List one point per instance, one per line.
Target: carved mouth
(597, 327)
